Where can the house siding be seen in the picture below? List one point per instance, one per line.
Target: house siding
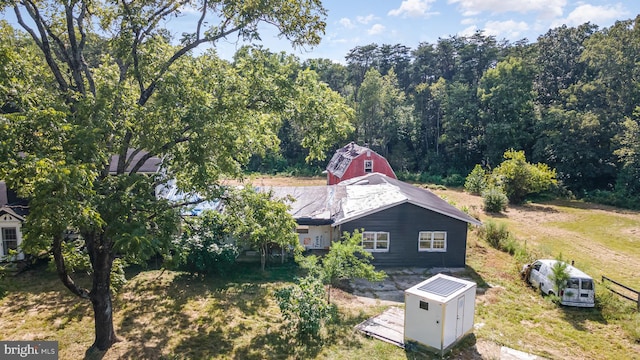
(403, 223)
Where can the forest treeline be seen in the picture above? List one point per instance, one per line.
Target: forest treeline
(569, 100)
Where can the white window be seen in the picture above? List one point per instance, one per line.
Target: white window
(9, 240)
(375, 241)
(432, 241)
(368, 166)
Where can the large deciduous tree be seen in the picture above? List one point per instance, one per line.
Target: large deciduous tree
(107, 80)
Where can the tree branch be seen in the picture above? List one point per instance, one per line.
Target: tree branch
(162, 150)
(146, 94)
(62, 269)
(75, 63)
(42, 42)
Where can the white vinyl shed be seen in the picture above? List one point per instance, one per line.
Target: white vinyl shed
(439, 311)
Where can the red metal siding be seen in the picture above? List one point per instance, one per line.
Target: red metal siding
(356, 168)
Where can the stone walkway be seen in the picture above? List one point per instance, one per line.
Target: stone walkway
(398, 280)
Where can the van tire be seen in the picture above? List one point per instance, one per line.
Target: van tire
(540, 288)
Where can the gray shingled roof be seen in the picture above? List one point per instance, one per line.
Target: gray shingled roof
(362, 196)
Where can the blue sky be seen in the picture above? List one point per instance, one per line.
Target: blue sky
(351, 23)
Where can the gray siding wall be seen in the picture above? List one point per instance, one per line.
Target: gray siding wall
(403, 223)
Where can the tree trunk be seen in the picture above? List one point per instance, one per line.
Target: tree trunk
(263, 257)
(100, 295)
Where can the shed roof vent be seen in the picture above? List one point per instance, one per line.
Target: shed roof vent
(442, 287)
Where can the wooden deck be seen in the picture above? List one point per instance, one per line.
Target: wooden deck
(388, 326)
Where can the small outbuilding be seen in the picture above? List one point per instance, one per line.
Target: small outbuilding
(439, 312)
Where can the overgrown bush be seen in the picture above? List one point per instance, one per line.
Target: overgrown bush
(494, 199)
(303, 306)
(476, 181)
(614, 198)
(201, 248)
(454, 180)
(495, 234)
(203, 255)
(498, 236)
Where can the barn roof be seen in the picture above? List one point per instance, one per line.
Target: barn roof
(362, 196)
(341, 160)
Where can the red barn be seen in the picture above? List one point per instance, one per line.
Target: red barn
(354, 160)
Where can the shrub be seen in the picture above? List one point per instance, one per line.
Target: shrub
(201, 248)
(476, 181)
(303, 306)
(495, 234)
(205, 256)
(494, 199)
(454, 180)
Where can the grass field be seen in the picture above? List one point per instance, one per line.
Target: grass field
(170, 315)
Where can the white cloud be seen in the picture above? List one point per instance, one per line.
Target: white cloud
(412, 8)
(366, 19)
(376, 29)
(346, 23)
(544, 8)
(594, 14)
(510, 29)
(468, 31)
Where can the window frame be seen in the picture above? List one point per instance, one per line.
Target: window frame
(432, 239)
(375, 241)
(3, 239)
(368, 169)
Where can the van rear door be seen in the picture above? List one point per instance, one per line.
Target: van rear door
(579, 292)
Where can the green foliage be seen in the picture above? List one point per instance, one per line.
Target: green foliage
(476, 181)
(495, 200)
(77, 261)
(259, 220)
(495, 234)
(499, 237)
(347, 259)
(454, 180)
(559, 275)
(520, 178)
(75, 255)
(202, 247)
(118, 277)
(138, 95)
(303, 306)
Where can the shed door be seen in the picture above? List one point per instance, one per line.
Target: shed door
(460, 317)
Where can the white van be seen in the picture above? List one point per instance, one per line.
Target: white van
(578, 291)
